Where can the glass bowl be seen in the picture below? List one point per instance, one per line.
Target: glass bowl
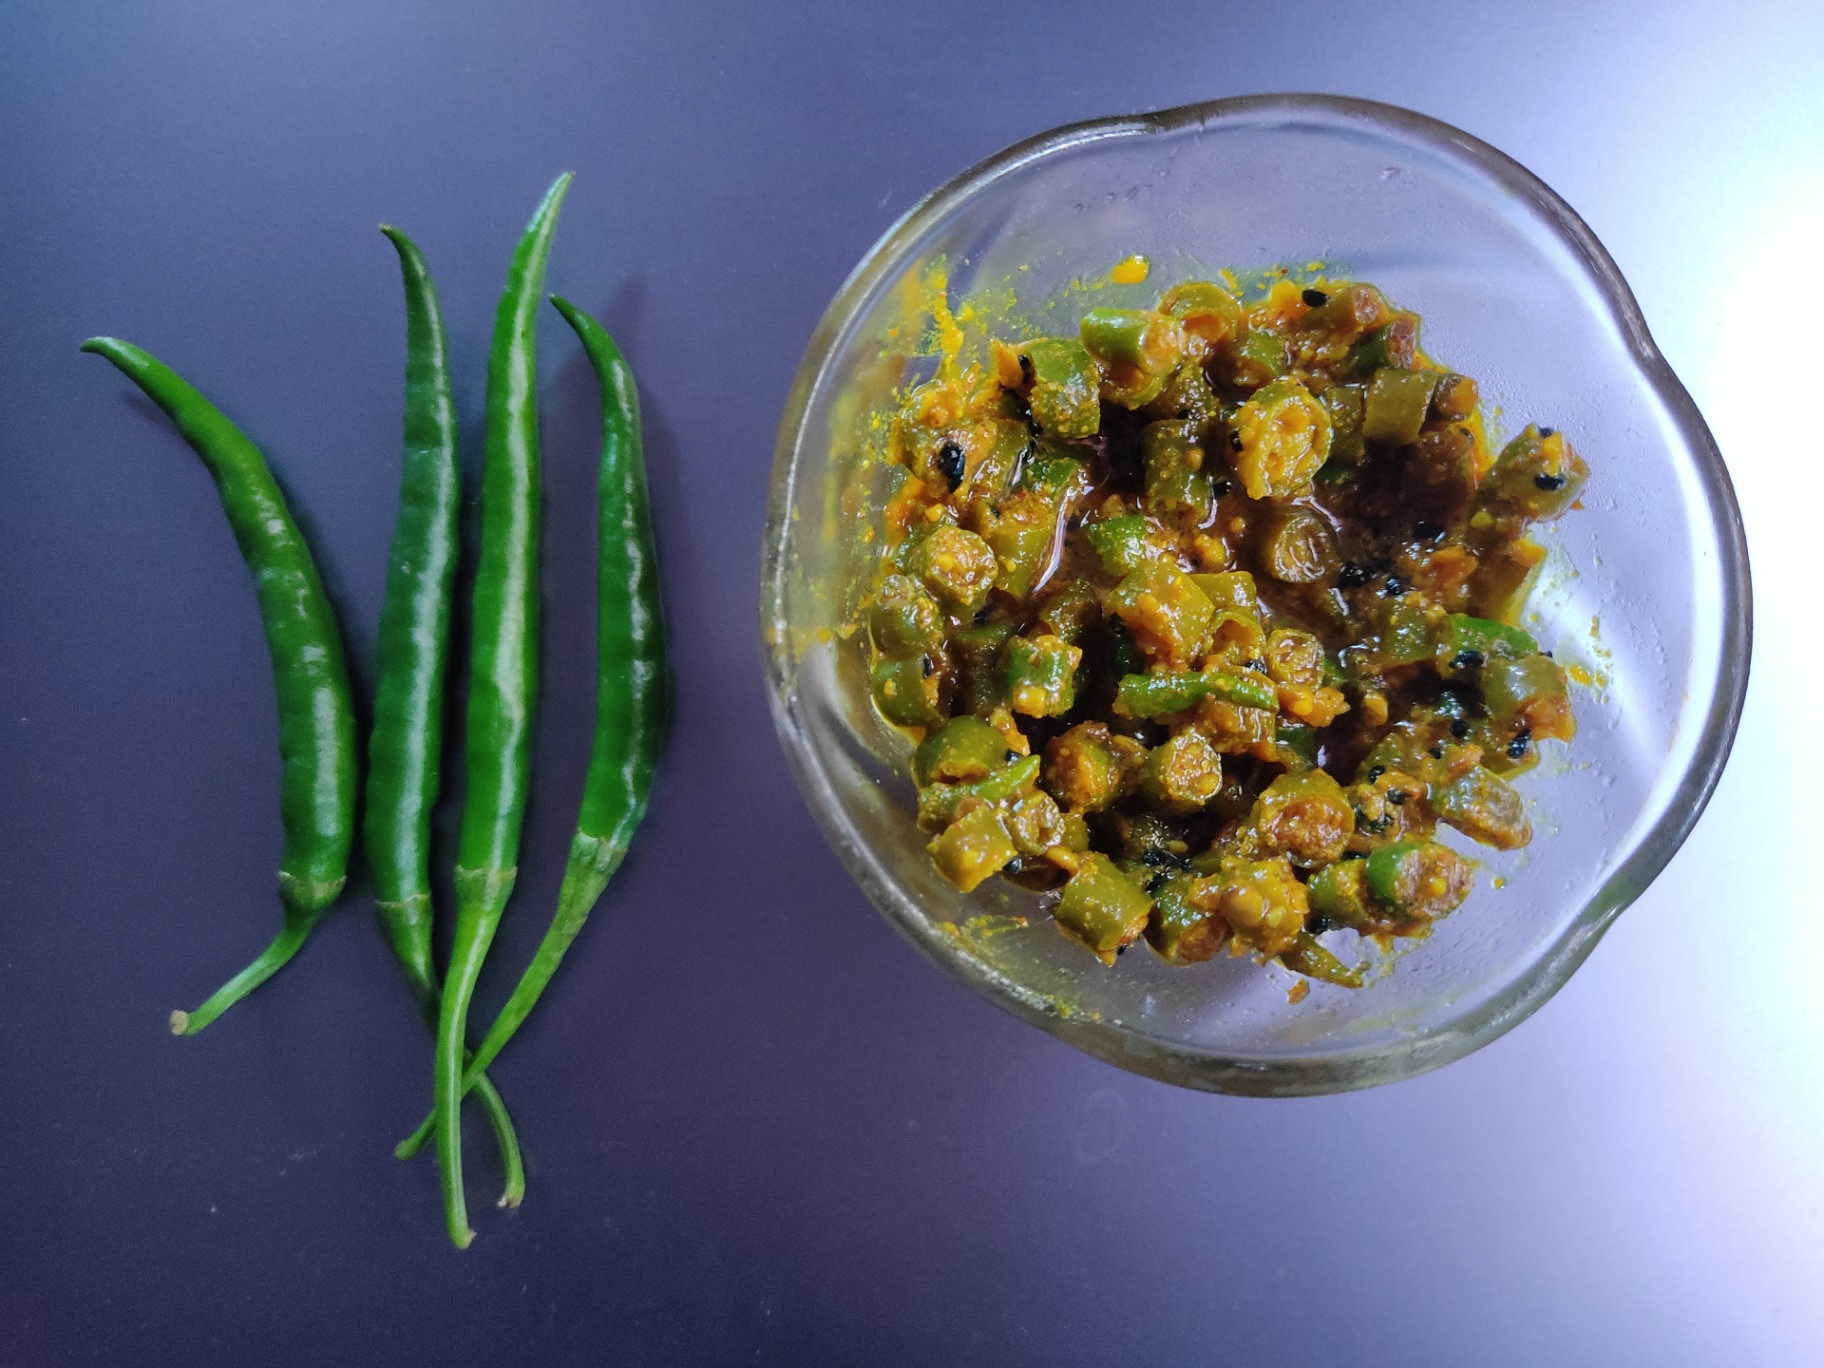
(1646, 587)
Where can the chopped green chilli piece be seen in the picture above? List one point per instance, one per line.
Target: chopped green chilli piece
(1304, 817)
(1398, 401)
(1183, 931)
(1297, 745)
(1006, 442)
(1041, 675)
(1066, 387)
(1408, 636)
(1529, 693)
(1183, 774)
(972, 847)
(1343, 316)
(982, 679)
(1311, 959)
(907, 690)
(1484, 807)
(1101, 907)
(1469, 642)
(1395, 345)
(1339, 894)
(1455, 398)
(1168, 615)
(1124, 543)
(1162, 695)
(1236, 620)
(1264, 904)
(1295, 658)
(1136, 349)
(1187, 396)
(1298, 547)
(1346, 404)
(1019, 532)
(1089, 767)
(957, 566)
(1283, 438)
(1419, 879)
(1260, 358)
(1034, 820)
(1052, 474)
(963, 749)
(1071, 612)
(1538, 476)
(905, 620)
(1231, 589)
(1210, 316)
(939, 803)
(1172, 458)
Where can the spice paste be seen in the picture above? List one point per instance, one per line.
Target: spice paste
(1204, 619)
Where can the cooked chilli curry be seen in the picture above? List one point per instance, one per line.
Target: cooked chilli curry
(1204, 618)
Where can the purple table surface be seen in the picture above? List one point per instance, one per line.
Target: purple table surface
(759, 1127)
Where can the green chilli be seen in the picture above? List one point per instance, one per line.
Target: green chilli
(633, 687)
(503, 677)
(316, 711)
(405, 747)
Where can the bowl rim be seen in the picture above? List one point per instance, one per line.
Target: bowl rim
(1128, 1045)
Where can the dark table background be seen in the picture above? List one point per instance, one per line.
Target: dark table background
(759, 1127)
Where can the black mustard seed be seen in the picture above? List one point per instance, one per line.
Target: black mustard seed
(952, 462)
